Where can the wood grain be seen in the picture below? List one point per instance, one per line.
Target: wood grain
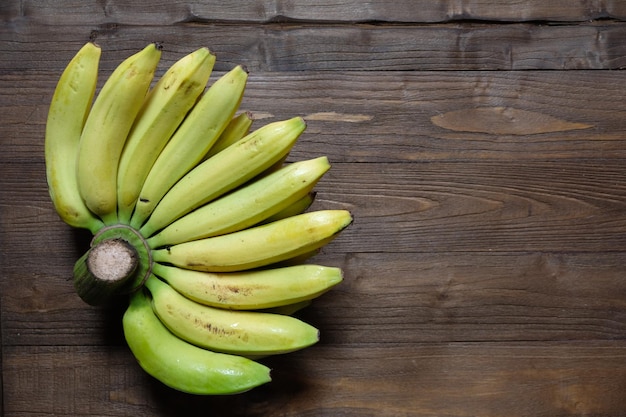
(398, 120)
(338, 46)
(481, 147)
(69, 12)
(460, 379)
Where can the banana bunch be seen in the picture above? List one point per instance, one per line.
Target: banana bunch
(197, 220)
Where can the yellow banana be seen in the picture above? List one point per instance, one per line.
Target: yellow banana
(245, 333)
(237, 128)
(251, 290)
(192, 140)
(66, 117)
(258, 246)
(295, 208)
(244, 207)
(181, 365)
(226, 170)
(106, 130)
(289, 309)
(164, 108)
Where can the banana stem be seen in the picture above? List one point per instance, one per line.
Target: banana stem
(118, 262)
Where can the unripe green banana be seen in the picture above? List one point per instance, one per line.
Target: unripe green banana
(251, 290)
(245, 206)
(237, 128)
(164, 108)
(106, 130)
(226, 170)
(181, 365)
(245, 333)
(195, 136)
(66, 117)
(258, 246)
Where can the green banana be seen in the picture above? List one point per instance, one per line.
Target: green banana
(195, 136)
(251, 290)
(237, 128)
(164, 108)
(68, 111)
(246, 206)
(258, 246)
(181, 365)
(245, 333)
(226, 170)
(106, 130)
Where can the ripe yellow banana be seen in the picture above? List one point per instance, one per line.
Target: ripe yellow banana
(106, 130)
(181, 365)
(289, 309)
(245, 333)
(251, 290)
(258, 246)
(164, 108)
(195, 136)
(68, 110)
(295, 208)
(226, 170)
(237, 128)
(185, 200)
(244, 207)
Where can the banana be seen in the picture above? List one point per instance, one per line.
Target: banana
(226, 170)
(107, 127)
(245, 333)
(289, 309)
(181, 365)
(295, 208)
(251, 290)
(237, 128)
(192, 140)
(68, 110)
(244, 207)
(258, 246)
(211, 220)
(164, 108)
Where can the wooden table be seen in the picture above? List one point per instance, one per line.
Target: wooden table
(480, 145)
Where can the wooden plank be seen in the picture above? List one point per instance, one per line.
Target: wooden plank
(395, 117)
(119, 12)
(466, 206)
(279, 47)
(455, 379)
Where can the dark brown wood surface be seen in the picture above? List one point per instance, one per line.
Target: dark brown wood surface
(480, 145)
